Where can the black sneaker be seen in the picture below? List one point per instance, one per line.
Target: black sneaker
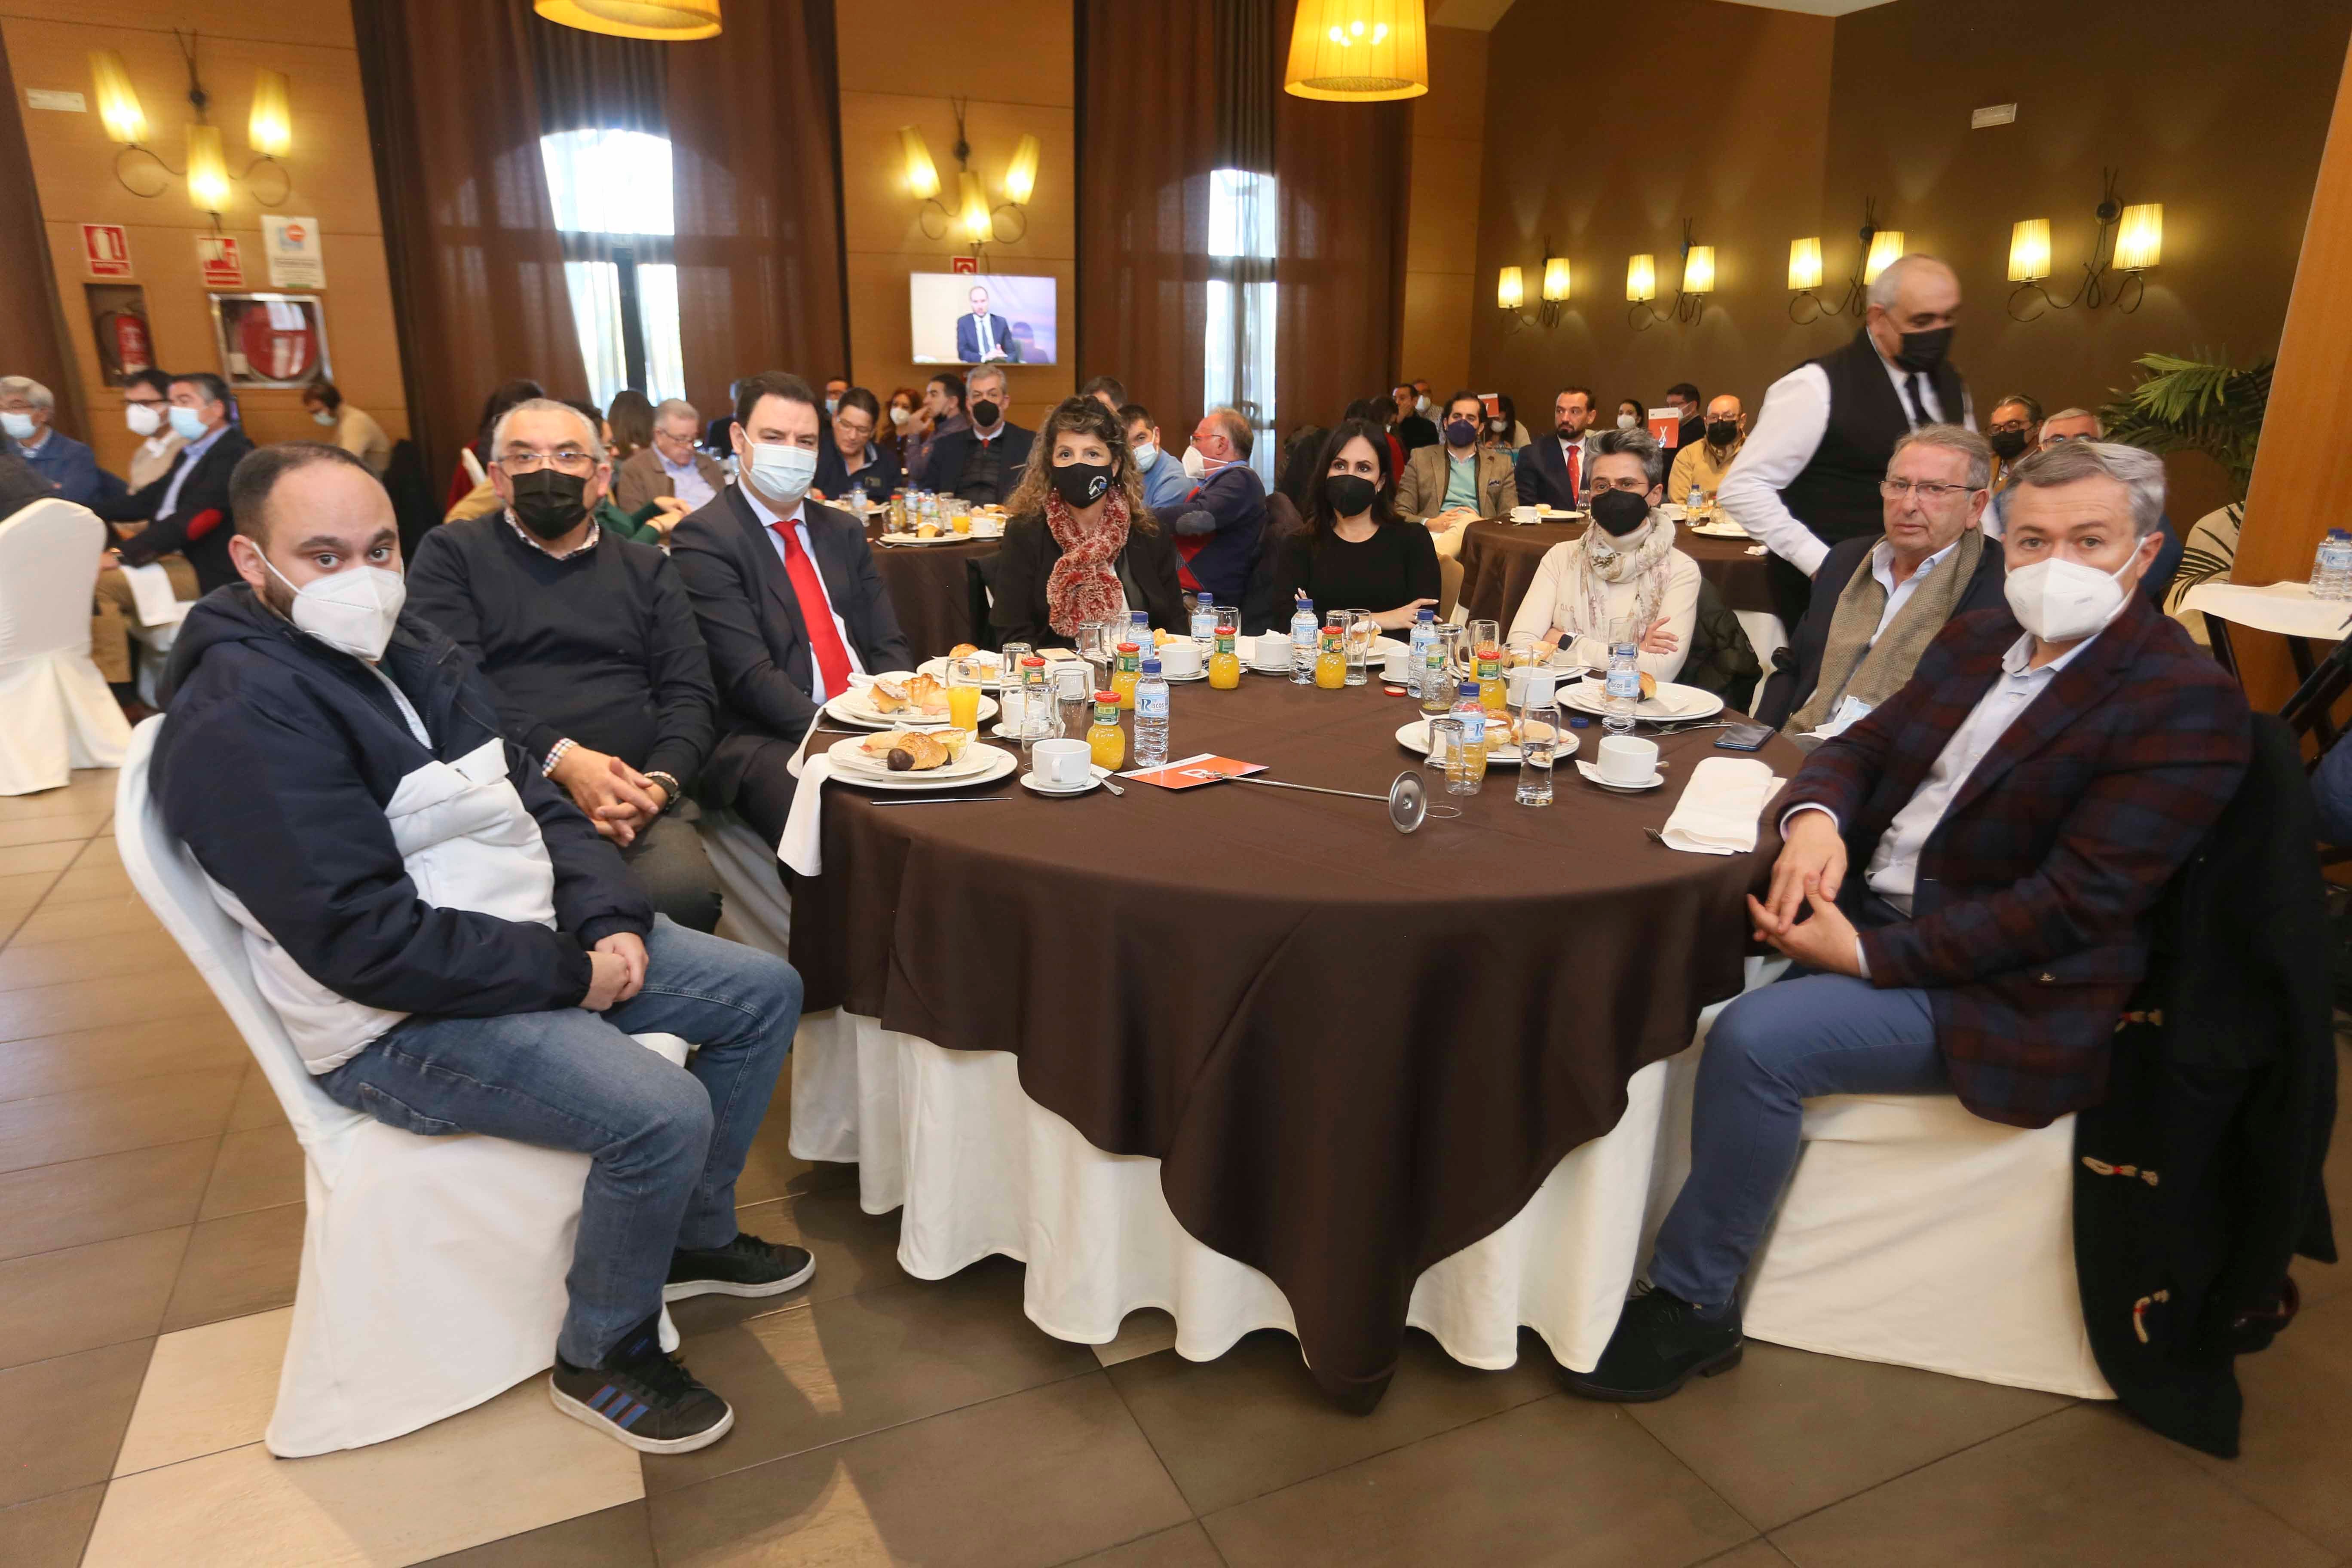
(1661, 1342)
(746, 1266)
(642, 1395)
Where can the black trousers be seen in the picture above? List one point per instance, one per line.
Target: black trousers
(763, 792)
(670, 865)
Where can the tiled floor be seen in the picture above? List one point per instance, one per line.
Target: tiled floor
(151, 1219)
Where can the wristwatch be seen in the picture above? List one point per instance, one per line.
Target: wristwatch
(671, 788)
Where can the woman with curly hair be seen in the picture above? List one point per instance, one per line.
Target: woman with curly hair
(1081, 547)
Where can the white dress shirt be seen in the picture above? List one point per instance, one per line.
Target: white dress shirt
(1789, 431)
(193, 452)
(1852, 711)
(685, 481)
(798, 518)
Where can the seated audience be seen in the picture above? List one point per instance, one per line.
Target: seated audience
(146, 409)
(1082, 546)
(1704, 460)
(670, 466)
(1879, 600)
(506, 394)
(27, 407)
(451, 946)
(1557, 471)
(941, 413)
(188, 511)
(1108, 390)
(892, 433)
(1357, 553)
(2015, 431)
(1165, 482)
(2016, 810)
(1456, 481)
(1502, 431)
(591, 644)
(649, 524)
(1630, 413)
(1381, 410)
(1683, 399)
(1409, 420)
(850, 461)
(1221, 523)
(2082, 425)
(629, 426)
(351, 427)
(982, 461)
(1624, 568)
(789, 601)
(833, 387)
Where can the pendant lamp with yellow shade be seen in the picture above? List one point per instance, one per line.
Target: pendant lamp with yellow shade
(1359, 51)
(663, 21)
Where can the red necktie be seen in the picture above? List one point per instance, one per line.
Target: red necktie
(1574, 454)
(825, 641)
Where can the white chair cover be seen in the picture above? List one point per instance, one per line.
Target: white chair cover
(56, 713)
(432, 1274)
(754, 908)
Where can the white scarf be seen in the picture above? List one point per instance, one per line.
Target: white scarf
(1595, 562)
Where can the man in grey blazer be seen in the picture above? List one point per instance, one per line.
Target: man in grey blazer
(671, 466)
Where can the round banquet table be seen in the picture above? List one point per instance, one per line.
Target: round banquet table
(930, 590)
(1499, 559)
(1353, 1052)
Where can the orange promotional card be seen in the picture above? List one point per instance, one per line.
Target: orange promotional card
(1667, 425)
(1191, 772)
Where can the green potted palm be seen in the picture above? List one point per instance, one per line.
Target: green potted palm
(2201, 404)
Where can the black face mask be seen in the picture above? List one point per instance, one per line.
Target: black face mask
(1349, 495)
(1460, 433)
(1081, 484)
(1924, 350)
(1620, 512)
(2009, 444)
(550, 502)
(985, 414)
(1722, 432)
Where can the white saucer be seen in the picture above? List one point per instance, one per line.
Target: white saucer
(1029, 782)
(1184, 679)
(1591, 773)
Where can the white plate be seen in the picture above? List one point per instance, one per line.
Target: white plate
(854, 707)
(1184, 679)
(1674, 703)
(995, 763)
(1591, 771)
(1414, 738)
(901, 541)
(1029, 782)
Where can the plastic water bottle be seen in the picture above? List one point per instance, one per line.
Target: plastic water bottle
(1303, 627)
(1204, 618)
(1425, 632)
(1697, 501)
(1138, 630)
(1152, 716)
(1622, 692)
(2331, 570)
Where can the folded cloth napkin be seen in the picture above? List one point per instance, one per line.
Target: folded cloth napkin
(802, 846)
(151, 596)
(1720, 806)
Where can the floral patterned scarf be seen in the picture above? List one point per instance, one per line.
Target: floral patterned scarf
(1083, 586)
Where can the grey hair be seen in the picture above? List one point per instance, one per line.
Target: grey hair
(1633, 444)
(984, 373)
(31, 391)
(1952, 439)
(595, 442)
(670, 407)
(1236, 427)
(1889, 282)
(2140, 473)
(2098, 426)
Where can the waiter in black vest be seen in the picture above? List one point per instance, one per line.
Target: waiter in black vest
(1808, 477)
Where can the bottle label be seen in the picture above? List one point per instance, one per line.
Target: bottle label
(1151, 702)
(1474, 727)
(1626, 683)
(1224, 642)
(1128, 663)
(1107, 713)
(1302, 634)
(1490, 664)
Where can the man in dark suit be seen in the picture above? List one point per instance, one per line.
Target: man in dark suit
(187, 511)
(787, 597)
(2018, 809)
(982, 337)
(1414, 428)
(1557, 472)
(982, 462)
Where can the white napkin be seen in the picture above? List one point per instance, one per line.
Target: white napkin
(1720, 806)
(151, 596)
(805, 826)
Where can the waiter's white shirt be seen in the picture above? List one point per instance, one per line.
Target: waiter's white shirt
(798, 518)
(1852, 711)
(1789, 431)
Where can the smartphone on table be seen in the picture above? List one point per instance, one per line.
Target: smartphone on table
(1744, 738)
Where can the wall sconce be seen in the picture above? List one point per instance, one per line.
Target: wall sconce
(1640, 289)
(269, 132)
(1555, 290)
(1804, 276)
(2129, 239)
(1511, 294)
(1510, 290)
(1886, 246)
(1699, 278)
(1880, 247)
(977, 222)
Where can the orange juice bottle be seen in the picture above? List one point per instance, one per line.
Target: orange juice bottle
(1491, 695)
(1106, 738)
(1331, 659)
(1225, 664)
(1122, 677)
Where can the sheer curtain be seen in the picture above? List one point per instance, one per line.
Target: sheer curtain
(609, 191)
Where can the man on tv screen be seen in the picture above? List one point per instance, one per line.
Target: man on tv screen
(982, 337)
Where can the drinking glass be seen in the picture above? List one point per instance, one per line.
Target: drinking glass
(1461, 776)
(1445, 743)
(1540, 727)
(1008, 686)
(1484, 634)
(1449, 638)
(1074, 697)
(1361, 631)
(1522, 649)
(963, 693)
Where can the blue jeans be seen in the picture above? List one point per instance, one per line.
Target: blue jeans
(1769, 1050)
(667, 1144)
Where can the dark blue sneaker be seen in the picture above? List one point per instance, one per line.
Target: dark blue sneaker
(642, 1395)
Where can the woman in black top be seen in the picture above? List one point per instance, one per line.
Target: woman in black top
(849, 463)
(1081, 546)
(1356, 555)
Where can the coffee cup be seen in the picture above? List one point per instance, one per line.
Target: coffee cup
(1180, 659)
(1397, 663)
(1523, 514)
(1271, 650)
(1064, 765)
(1627, 760)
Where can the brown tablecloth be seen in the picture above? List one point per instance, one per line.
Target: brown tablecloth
(1499, 559)
(931, 591)
(1354, 1052)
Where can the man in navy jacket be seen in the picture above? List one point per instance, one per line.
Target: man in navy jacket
(450, 944)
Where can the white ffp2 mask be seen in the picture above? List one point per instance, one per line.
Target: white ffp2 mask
(354, 611)
(144, 418)
(2064, 601)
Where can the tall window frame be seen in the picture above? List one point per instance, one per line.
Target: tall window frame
(1238, 361)
(610, 192)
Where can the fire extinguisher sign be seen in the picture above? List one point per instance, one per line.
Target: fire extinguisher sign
(106, 249)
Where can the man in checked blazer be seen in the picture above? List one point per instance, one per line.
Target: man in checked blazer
(2014, 812)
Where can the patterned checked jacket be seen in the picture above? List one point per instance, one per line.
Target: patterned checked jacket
(2029, 923)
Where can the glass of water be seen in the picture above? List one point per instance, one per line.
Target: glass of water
(1540, 727)
(1361, 631)
(1074, 697)
(1445, 743)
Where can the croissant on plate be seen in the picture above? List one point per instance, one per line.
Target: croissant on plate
(928, 692)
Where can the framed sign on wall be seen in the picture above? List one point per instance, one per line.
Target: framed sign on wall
(271, 339)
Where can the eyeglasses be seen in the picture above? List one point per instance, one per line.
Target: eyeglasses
(1902, 490)
(2001, 426)
(853, 427)
(569, 459)
(1633, 487)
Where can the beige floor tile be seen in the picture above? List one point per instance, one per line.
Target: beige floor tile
(1035, 1478)
(138, 954)
(1788, 1431)
(93, 1058)
(2085, 1486)
(1752, 1554)
(65, 1417)
(48, 1533)
(21, 891)
(2294, 1452)
(99, 852)
(619, 1536)
(1186, 1546)
(853, 1250)
(140, 1114)
(56, 828)
(81, 1200)
(17, 860)
(173, 992)
(820, 1372)
(256, 1103)
(100, 882)
(86, 923)
(1254, 1420)
(512, 1465)
(257, 1170)
(244, 1263)
(772, 1171)
(206, 1390)
(73, 800)
(1145, 1331)
(55, 1303)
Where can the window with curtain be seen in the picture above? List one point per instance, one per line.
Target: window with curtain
(1238, 355)
(609, 191)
